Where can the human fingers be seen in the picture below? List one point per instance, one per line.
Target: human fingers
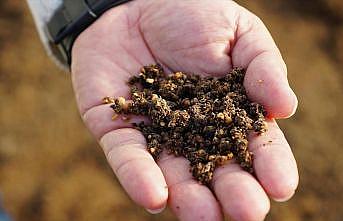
(274, 163)
(188, 199)
(239, 193)
(266, 75)
(136, 170)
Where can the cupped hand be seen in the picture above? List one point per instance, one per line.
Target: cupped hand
(206, 37)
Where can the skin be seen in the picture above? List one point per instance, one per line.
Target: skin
(206, 37)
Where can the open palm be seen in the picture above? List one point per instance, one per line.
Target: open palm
(206, 37)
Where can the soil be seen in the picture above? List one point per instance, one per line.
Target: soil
(204, 119)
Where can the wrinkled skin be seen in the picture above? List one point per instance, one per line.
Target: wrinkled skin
(206, 37)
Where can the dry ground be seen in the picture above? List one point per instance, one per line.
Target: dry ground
(52, 170)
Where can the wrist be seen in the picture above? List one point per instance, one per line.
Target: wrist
(72, 18)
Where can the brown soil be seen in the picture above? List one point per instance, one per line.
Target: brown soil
(51, 169)
(204, 119)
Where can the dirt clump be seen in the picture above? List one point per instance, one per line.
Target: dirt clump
(203, 119)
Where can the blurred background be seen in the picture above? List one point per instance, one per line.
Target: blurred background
(51, 169)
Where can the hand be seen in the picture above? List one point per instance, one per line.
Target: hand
(208, 36)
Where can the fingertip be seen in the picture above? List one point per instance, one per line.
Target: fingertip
(156, 210)
(269, 87)
(192, 201)
(257, 213)
(285, 196)
(274, 163)
(293, 105)
(156, 198)
(284, 103)
(284, 188)
(136, 170)
(188, 199)
(241, 196)
(144, 185)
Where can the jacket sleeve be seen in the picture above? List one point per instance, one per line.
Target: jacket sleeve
(42, 11)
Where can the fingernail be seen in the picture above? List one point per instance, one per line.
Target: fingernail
(295, 103)
(156, 211)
